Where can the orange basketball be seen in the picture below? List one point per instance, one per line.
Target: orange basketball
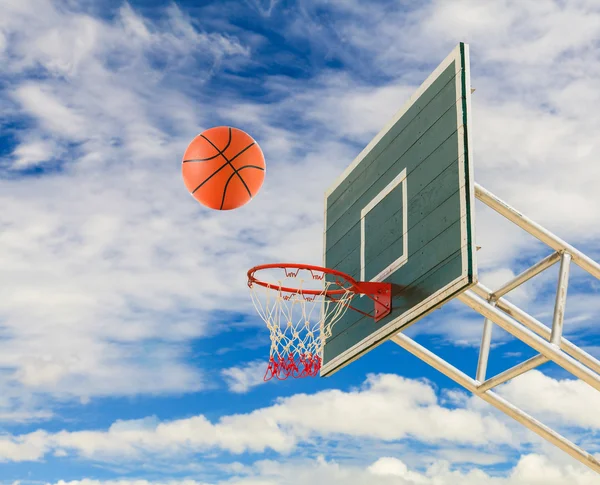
(223, 168)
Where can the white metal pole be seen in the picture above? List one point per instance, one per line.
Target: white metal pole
(539, 328)
(498, 402)
(527, 275)
(527, 336)
(513, 372)
(561, 299)
(484, 349)
(536, 230)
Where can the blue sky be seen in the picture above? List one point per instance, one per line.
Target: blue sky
(129, 347)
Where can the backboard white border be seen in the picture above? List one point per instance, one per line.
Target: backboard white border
(399, 179)
(467, 220)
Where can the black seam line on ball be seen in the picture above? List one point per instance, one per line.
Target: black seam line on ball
(251, 166)
(228, 162)
(201, 159)
(220, 152)
(229, 180)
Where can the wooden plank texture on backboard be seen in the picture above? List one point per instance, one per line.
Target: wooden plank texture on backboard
(429, 141)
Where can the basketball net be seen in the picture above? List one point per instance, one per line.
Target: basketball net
(298, 323)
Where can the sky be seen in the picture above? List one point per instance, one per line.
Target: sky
(130, 352)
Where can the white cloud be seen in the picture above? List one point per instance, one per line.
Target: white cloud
(240, 379)
(387, 408)
(30, 447)
(57, 118)
(393, 467)
(34, 153)
(362, 110)
(565, 402)
(264, 7)
(103, 254)
(536, 469)
(530, 470)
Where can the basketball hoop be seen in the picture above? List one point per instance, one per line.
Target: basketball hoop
(300, 317)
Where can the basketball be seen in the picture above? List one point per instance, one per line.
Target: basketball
(223, 168)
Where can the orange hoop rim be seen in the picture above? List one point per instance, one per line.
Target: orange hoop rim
(353, 284)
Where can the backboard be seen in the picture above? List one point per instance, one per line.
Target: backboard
(402, 213)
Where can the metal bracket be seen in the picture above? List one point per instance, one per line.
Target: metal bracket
(381, 294)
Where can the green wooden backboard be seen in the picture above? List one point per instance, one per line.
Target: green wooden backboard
(403, 213)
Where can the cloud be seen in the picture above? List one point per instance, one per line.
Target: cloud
(34, 153)
(240, 379)
(264, 7)
(531, 469)
(51, 112)
(541, 395)
(386, 408)
(97, 265)
(537, 469)
(31, 447)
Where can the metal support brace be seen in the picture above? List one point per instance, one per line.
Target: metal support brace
(484, 350)
(527, 336)
(584, 262)
(549, 343)
(515, 371)
(539, 328)
(498, 402)
(527, 275)
(561, 299)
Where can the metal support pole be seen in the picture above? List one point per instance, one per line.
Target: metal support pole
(527, 336)
(498, 402)
(484, 350)
(561, 299)
(513, 372)
(539, 328)
(556, 243)
(527, 274)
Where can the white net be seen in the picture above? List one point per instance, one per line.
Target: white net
(298, 323)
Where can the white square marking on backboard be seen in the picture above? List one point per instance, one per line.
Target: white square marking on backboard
(399, 179)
